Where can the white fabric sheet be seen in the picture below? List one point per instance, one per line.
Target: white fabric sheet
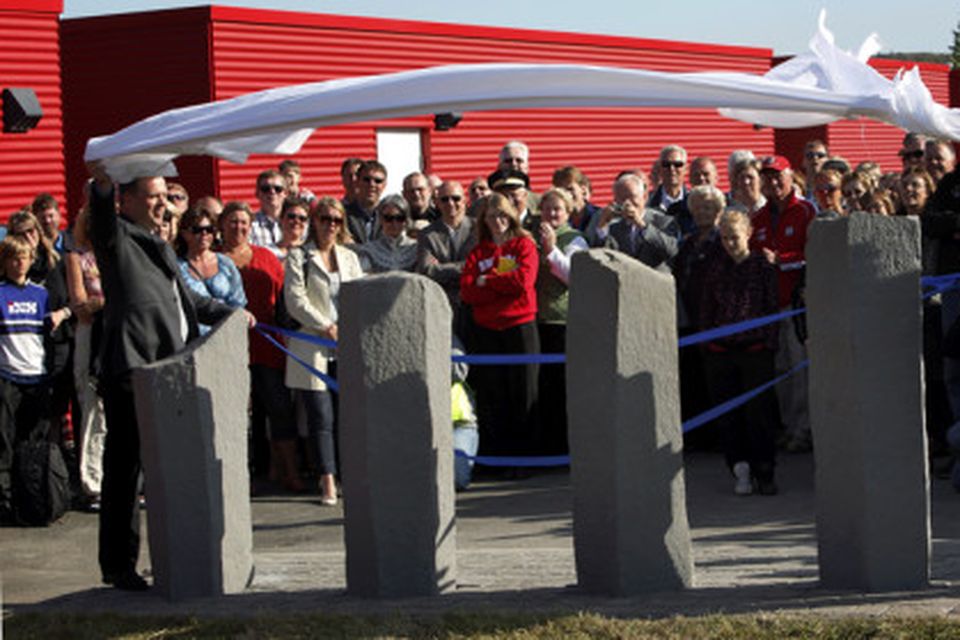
(820, 86)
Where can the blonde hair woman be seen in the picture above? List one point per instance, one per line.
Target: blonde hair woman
(314, 273)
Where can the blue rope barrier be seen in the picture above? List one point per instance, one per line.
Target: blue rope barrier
(725, 407)
(515, 461)
(739, 327)
(330, 382)
(299, 335)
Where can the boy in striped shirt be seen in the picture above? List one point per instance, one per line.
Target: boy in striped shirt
(25, 320)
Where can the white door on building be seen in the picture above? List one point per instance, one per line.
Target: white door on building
(401, 152)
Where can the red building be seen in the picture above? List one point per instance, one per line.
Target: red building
(119, 69)
(30, 58)
(864, 139)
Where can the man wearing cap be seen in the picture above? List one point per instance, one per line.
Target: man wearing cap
(514, 184)
(780, 231)
(150, 314)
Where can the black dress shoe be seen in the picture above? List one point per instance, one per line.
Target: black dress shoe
(126, 581)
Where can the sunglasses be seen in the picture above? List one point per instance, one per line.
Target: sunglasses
(331, 220)
(451, 198)
(296, 217)
(675, 164)
(810, 155)
(272, 188)
(394, 218)
(373, 180)
(830, 188)
(913, 155)
(202, 228)
(176, 197)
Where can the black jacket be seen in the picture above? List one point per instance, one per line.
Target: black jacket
(138, 273)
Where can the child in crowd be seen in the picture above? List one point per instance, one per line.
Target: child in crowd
(25, 320)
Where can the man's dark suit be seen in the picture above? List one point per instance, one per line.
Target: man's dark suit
(654, 246)
(142, 324)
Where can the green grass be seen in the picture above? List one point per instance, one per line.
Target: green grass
(452, 626)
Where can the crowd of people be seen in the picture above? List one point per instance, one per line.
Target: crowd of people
(86, 305)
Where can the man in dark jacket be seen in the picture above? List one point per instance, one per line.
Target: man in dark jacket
(149, 315)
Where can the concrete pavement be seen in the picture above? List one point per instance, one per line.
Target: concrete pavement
(514, 552)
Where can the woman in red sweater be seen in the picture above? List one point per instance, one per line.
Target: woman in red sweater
(498, 283)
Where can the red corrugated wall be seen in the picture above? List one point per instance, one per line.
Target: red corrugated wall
(31, 162)
(863, 139)
(255, 50)
(120, 69)
(176, 57)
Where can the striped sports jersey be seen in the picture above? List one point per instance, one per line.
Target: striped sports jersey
(23, 311)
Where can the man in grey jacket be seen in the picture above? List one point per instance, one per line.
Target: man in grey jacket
(444, 246)
(648, 235)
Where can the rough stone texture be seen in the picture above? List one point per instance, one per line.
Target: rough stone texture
(866, 401)
(192, 409)
(630, 518)
(396, 437)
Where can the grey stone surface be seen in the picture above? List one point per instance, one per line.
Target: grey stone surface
(866, 401)
(630, 519)
(193, 422)
(396, 438)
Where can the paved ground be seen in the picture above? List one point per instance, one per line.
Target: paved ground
(514, 553)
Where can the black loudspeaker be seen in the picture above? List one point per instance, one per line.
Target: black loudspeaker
(446, 121)
(21, 110)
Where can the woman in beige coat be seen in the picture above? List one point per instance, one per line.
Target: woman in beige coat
(311, 289)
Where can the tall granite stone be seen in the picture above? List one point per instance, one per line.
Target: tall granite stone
(192, 409)
(396, 437)
(631, 533)
(866, 402)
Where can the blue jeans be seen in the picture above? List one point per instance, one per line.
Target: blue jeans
(320, 419)
(465, 439)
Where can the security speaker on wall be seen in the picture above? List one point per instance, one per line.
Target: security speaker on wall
(21, 110)
(446, 121)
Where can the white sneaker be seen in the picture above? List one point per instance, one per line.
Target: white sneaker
(743, 485)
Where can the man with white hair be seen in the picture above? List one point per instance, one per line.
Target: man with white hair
(673, 175)
(628, 226)
(940, 158)
(515, 155)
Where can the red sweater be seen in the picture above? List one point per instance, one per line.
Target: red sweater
(508, 297)
(786, 235)
(263, 284)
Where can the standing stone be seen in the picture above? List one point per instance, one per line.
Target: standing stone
(396, 437)
(629, 514)
(192, 409)
(866, 402)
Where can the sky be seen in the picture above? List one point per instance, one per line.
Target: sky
(785, 27)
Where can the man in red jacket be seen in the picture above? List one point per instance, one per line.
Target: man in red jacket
(780, 231)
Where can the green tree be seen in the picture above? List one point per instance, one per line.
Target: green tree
(955, 48)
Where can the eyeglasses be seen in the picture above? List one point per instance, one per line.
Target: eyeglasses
(675, 164)
(274, 188)
(454, 198)
(394, 218)
(202, 228)
(296, 217)
(330, 220)
(815, 155)
(911, 155)
(176, 197)
(373, 179)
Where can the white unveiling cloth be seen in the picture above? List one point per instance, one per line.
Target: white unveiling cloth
(819, 86)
